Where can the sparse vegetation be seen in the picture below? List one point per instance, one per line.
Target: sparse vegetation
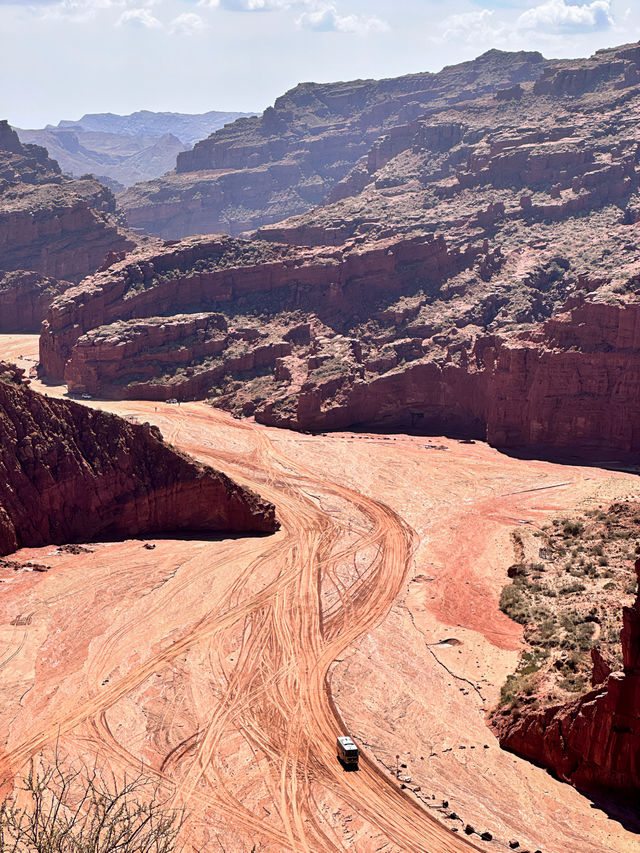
(570, 602)
(61, 808)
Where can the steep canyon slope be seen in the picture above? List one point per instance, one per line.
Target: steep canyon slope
(262, 169)
(49, 223)
(475, 274)
(71, 475)
(594, 740)
(53, 231)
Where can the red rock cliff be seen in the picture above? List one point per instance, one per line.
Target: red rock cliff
(210, 273)
(25, 298)
(49, 223)
(594, 742)
(71, 474)
(259, 170)
(571, 386)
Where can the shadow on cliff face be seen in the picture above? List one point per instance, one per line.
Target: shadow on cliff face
(626, 813)
(421, 424)
(587, 457)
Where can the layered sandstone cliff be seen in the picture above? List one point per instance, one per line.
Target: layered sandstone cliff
(550, 391)
(71, 474)
(475, 274)
(259, 170)
(593, 742)
(235, 276)
(25, 298)
(49, 223)
(552, 387)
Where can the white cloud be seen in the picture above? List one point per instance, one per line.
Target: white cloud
(249, 5)
(471, 27)
(316, 15)
(557, 16)
(76, 11)
(138, 18)
(549, 18)
(253, 5)
(187, 24)
(328, 19)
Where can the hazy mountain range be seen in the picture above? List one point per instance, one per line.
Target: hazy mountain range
(122, 150)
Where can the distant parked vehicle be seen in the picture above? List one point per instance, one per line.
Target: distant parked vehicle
(348, 753)
(87, 397)
(172, 400)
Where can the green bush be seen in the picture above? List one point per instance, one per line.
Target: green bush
(572, 528)
(513, 603)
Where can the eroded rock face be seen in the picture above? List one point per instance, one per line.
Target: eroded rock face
(594, 742)
(25, 298)
(475, 273)
(227, 274)
(553, 388)
(71, 474)
(49, 223)
(262, 169)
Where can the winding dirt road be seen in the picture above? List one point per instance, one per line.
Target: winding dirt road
(227, 668)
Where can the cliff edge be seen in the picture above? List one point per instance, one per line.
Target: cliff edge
(72, 474)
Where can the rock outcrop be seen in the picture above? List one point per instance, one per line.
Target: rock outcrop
(228, 274)
(25, 298)
(513, 391)
(552, 388)
(71, 474)
(49, 223)
(593, 742)
(259, 170)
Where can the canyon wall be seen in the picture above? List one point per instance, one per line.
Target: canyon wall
(260, 170)
(555, 391)
(25, 298)
(593, 742)
(71, 474)
(552, 388)
(213, 274)
(49, 223)
(475, 273)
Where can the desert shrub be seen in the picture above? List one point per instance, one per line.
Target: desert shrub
(66, 809)
(513, 603)
(590, 570)
(517, 686)
(545, 634)
(584, 633)
(570, 588)
(573, 683)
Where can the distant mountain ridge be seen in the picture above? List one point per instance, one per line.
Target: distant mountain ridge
(189, 128)
(123, 150)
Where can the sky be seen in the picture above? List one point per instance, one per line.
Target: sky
(60, 59)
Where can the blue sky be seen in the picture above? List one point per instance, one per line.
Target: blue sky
(62, 58)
